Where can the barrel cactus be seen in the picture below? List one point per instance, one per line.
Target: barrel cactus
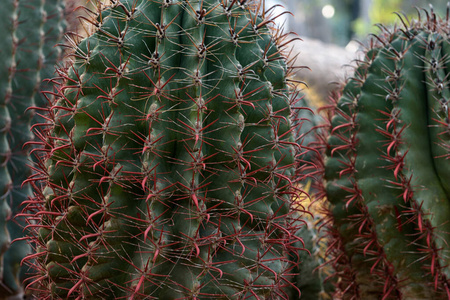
(28, 30)
(166, 168)
(387, 166)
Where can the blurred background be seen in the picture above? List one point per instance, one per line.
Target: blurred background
(340, 21)
(334, 30)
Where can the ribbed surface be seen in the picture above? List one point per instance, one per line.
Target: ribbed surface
(24, 65)
(386, 168)
(169, 161)
(7, 50)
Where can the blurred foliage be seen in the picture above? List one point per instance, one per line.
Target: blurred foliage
(382, 12)
(353, 19)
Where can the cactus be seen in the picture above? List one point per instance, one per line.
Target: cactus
(25, 49)
(305, 120)
(311, 276)
(7, 50)
(166, 170)
(53, 28)
(386, 167)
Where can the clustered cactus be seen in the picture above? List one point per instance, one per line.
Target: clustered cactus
(171, 151)
(387, 167)
(28, 30)
(166, 169)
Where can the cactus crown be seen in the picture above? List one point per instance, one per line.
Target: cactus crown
(166, 168)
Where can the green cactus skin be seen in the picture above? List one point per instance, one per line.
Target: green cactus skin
(8, 26)
(53, 29)
(310, 277)
(354, 248)
(167, 168)
(305, 119)
(24, 62)
(386, 167)
(23, 85)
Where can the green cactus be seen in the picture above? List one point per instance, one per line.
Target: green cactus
(53, 29)
(25, 50)
(167, 168)
(305, 119)
(311, 276)
(387, 166)
(6, 29)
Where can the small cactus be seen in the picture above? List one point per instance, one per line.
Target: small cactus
(311, 276)
(28, 31)
(166, 170)
(387, 164)
(305, 119)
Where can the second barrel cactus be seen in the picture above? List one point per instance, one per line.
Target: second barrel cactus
(29, 31)
(387, 167)
(167, 168)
